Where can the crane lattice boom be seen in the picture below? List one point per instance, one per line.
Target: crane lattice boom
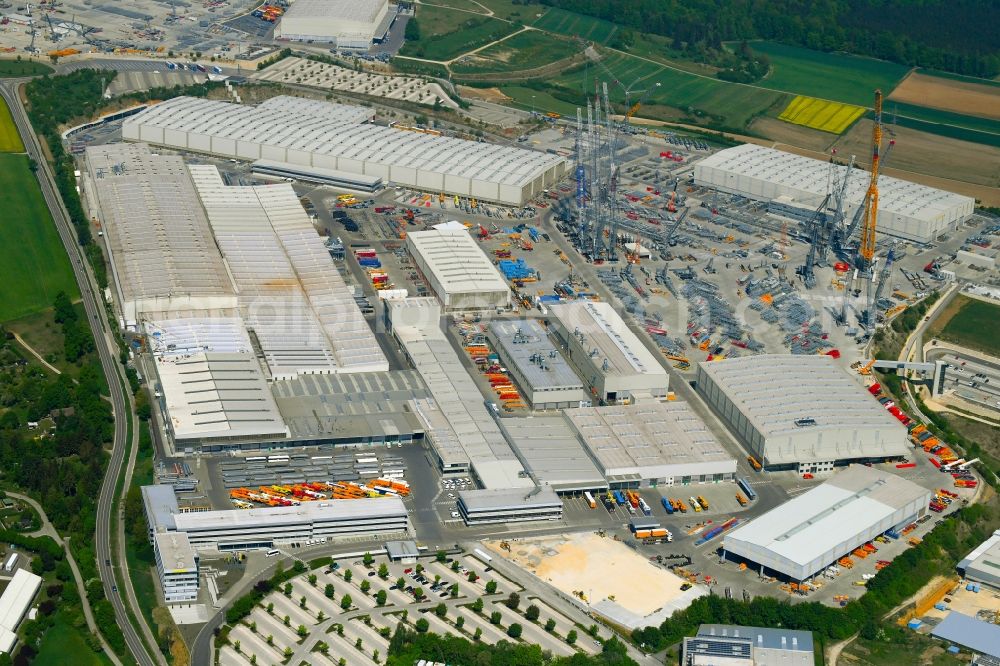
(867, 246)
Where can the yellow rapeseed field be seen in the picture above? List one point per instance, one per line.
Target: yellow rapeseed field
(833, 117)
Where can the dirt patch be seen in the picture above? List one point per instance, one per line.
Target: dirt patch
(796, 135)
(599, 567)
(971, 99)
(950, 160)
(484, 94)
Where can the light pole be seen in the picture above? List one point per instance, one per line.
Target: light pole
(532, 106)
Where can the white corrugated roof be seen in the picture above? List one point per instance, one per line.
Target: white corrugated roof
(812, 176)
(350, 10)
(16, 600)
(211, 380)
(775, 390)
(290, 293)
(264, 518)
(808, 526)
(457, 262)
(283, 122)
(159, 240)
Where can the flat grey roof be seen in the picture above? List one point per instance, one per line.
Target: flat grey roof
(970, 633)
(525, 344)
(775, 390)
(762, 637)
(987, 550)
(601, 329)
(334, 174)
(398, 549)
(175, 551)
(552, 452)
(816, 522)
(417, 327)
(648, 436)
(160, 502)
(341, 404)
(508, 499)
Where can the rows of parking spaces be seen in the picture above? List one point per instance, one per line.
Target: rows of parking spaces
(351, 608)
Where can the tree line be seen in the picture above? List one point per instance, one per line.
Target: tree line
(956, 35)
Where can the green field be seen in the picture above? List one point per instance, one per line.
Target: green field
(13, 68)
(969, 128)
(971, 323)
(843, 78)
(563, 22)
(503, 9)
(62, 644)
(448, 33)
(10, 139)
(33, 265)
(538, 100)
(701, 98)
(525, 50)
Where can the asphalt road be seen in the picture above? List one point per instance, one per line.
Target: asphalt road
(108, 352)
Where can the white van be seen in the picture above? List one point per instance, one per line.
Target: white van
(273, 552)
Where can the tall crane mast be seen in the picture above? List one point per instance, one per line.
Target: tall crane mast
(866, 249)
(871, 314)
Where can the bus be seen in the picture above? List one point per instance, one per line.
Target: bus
(745, 487)
(590, 500)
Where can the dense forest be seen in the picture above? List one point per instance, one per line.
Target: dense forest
(957, 36)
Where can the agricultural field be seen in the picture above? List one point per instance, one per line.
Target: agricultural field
(14, 68)
(840, 77)
(934, 155)
(895, 110)
(970, 322)
(10, 140)
(792, 135)
(525, 50)
(947, 94)
(502, 9)
(539, 100)
(567, 23)
(33, 265)
(833, 117)
(703, 99)
(448, 33)
(931, 154)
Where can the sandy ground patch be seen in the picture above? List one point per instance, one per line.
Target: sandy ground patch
(600, 567)
(484, 94)
(971, 99)
(986, 601)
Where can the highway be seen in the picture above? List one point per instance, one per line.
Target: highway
(107, 349)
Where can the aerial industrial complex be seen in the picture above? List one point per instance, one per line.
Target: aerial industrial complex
(566, 357)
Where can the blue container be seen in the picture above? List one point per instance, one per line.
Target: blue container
(953, 649)
(914, 624)
(667, 506)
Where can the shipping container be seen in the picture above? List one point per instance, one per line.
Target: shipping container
(590, 500)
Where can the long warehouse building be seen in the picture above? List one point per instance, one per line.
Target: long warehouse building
(254, 529)
(906, 210)
(800, 412)
(458, 270)
(328, 136)
(347, 23)
(812, 531)
(613, 363)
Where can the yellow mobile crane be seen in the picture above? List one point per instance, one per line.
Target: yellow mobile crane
(866, 249)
